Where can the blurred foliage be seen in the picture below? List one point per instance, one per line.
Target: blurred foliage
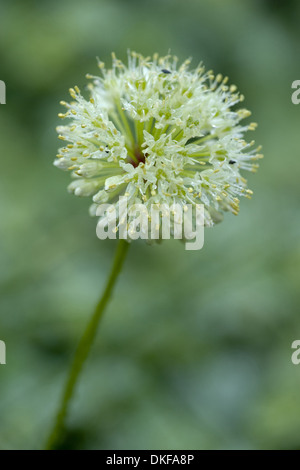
(194, 351)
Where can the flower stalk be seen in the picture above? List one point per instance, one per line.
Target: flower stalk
(57, 433)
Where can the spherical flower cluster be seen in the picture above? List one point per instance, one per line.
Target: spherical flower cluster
(158, 133)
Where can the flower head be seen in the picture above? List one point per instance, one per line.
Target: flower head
(158, 133)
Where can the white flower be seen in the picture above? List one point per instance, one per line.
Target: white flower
(158, 134)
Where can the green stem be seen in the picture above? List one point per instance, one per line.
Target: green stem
(83, 349)
(125, 121)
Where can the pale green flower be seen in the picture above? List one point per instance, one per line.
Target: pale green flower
(158, 134)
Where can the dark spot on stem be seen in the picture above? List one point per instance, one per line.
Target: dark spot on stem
(192, 140)
(166, 71)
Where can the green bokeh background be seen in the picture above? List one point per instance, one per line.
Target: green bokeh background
(195, 348)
